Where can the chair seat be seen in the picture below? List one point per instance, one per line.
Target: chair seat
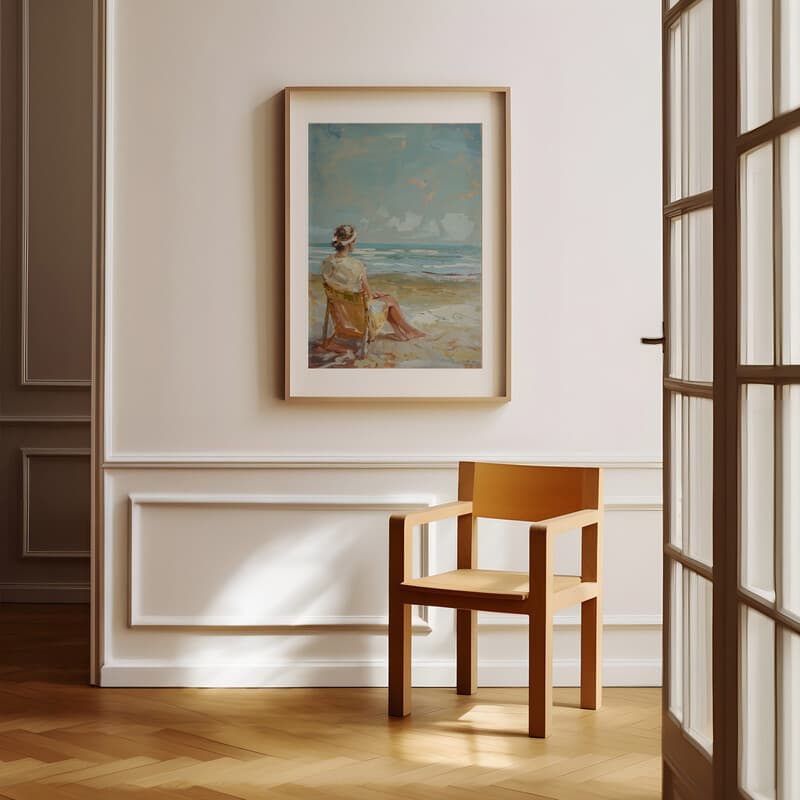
(499, 585)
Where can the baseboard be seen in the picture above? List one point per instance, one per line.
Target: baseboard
(44, 593)
(616, 672)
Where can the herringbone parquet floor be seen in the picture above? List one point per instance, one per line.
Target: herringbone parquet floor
(63, 740)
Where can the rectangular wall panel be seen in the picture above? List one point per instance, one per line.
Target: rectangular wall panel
(44, 505)
(56, 192)
(247, 560)
(55, 502)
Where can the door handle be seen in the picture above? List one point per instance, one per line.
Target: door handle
(654, 339)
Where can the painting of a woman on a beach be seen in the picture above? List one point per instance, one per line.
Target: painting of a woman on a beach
(415, 192)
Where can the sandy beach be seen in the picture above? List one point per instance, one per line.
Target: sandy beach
(448, 311)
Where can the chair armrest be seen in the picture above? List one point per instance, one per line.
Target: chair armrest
(567, 522)
(401, 527)
(459, 508)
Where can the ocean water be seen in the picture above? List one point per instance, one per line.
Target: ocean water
(439, 262)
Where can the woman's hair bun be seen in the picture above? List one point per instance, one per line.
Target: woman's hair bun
(343, 236)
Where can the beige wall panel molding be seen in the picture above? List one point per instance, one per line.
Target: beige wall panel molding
(55, 502)
(17, 401)
(190, 461)
(44, 592)
(632, 598)
(336, 650)
(25, 419)
(283, 543)
(56, 210)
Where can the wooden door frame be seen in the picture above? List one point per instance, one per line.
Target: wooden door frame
(725, 632)
(97, 572)
(687, 767)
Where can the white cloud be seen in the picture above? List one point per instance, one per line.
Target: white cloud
(410, 222)
(457, 227)
(382, 212)
(431, 228)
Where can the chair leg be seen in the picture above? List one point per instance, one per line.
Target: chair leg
(591, 653)
(540, 673)
(466, 652)
(399, 659)
(325, 323)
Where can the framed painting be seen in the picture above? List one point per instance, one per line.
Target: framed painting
(397, 243)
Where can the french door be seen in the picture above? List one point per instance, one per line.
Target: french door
(731, 80)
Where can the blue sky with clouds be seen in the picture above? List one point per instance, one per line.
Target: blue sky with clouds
(396, 183)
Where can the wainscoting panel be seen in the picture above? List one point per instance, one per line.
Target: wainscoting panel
(55, 502)
(44, 467)
(56, 312)
(274, 568)
(275, 575)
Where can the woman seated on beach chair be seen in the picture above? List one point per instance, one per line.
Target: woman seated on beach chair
(344, 278)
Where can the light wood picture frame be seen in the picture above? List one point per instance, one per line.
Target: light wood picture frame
(397, 243)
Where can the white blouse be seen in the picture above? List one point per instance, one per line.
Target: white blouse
(344, 274)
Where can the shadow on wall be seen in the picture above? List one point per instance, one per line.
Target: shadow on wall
(307, 584)
(269, 232)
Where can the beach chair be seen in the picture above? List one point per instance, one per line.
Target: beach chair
(352, 315)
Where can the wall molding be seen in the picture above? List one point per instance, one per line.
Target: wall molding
(15, 419)
(44, 592)
(27, 454)
(25, 379)
(488, 620)
(279, 624)
(420, 619)
(643, 503)
(367, 672)
(420, 622)
(211, 461)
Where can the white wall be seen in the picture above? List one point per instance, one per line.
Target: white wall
(195, 330)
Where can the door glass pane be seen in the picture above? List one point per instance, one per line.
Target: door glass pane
(755, 63)
(676, 111)
(791, 501)
(701, 295)
(700, 478)
(790, 239)
(676, 291)
(789, 723)
(691, 296)
(690, 102)
(677, 432)
(757, 763)
(691, 476)
(789, 57)
(698, 87)
(755, 188)
(676, 641)
(699, 723)
(758, 482)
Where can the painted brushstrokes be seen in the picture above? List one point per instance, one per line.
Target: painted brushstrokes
(395, 245)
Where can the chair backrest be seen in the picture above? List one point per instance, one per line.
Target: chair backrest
(527, 493)
(348, 311)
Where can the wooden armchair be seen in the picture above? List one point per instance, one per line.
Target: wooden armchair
(555, 500)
